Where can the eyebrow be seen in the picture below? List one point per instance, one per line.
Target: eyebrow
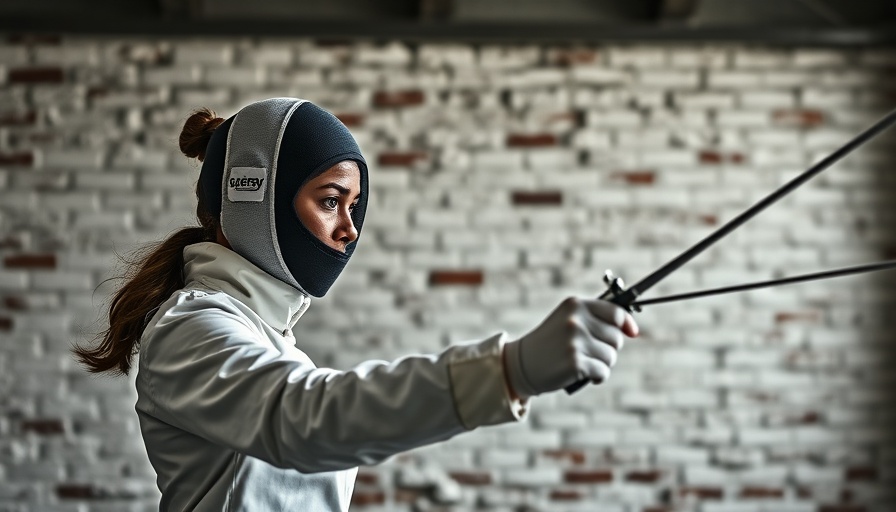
(342, 190)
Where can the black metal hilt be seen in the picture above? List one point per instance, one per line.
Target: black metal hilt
(617, 294)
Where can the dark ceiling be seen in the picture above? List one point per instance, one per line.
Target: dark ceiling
(818, 22)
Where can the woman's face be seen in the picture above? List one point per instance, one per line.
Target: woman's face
(324, 204)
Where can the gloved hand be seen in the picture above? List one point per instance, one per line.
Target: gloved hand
(578, 340)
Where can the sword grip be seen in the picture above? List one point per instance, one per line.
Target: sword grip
(613, 296)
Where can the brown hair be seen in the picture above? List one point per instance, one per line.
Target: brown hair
(152, 273)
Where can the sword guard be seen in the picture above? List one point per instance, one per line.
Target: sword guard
(615, 292)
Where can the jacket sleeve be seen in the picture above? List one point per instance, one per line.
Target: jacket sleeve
(209, 372)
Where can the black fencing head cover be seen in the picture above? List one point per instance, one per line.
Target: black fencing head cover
(255, 164)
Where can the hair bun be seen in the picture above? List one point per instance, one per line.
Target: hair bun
(197, 132)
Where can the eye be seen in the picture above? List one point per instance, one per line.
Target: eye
(352, 207)
(330, 203)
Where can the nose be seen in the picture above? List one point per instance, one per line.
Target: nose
(345, 230)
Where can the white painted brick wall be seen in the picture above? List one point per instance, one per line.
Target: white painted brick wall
(773, 401)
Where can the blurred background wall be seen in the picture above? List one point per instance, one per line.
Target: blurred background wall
(504, 177)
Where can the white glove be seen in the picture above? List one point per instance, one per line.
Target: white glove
(578, 340)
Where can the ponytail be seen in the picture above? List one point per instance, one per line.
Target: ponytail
(154, 272)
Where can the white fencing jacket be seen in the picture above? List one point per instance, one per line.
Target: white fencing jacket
(236, 417)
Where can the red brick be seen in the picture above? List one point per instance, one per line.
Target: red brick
(807, 418)
(449, 277)
(703, 493)
(762, 396)
(31, 261)
(531, 140)
(712, 157)
(577, 457)
(15, 303)
(43, 427)
(761, 492)
(801, 118)
(796, 316)
(5, 323)
(471, 477)
(576, 476)
(543, 198)
(351, 120)
(36, 75)
(635, 177)
(362, 498)
(401, 158)
(566, 495)
(398, 98)
(367, 478)
(97, 92)
(25, 158)
(709, 220)
(643, 476)
(861, 473)
(18, 118)
(76, 492)
(572, 56)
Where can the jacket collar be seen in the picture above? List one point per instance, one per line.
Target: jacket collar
(219, 268)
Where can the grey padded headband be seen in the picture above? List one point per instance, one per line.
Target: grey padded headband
(247, 208)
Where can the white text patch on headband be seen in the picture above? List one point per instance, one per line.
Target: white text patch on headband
(246, 184)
